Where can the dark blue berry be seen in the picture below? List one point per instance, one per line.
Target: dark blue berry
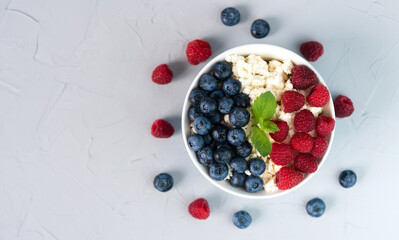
(238, 179)
(239, 117)
(315, 207)
(230, 16)
(219, 133)
(244, 150)
(163, 182)
(218, 171)
(242, 219)
(208, 82)
(347, 178)
(193, 113)
(260, 28)
(196, 96)
(224, 144)
(207, 139)
(257, 166)
(223, 155)
(236, 136)
(238, 164)
(205, 156)
(231, 86)
(222, 70)
(202, 125)
(218, 93)
(253, 184)
(208, 105)
(195, 142)
(225, 105)
(241, 100)
(215, 117)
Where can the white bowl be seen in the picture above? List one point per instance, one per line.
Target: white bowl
(267, 52)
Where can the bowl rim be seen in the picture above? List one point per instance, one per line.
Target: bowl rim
(185, 122)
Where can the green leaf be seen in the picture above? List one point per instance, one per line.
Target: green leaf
(268, 126)
(264, 107)
(260, 141)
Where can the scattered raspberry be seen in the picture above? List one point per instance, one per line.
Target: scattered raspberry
(343, 106)
(198, 51)
(305, 163)
(324, 126)
(162, 74)
(302, 142)
(292, 101)
(303, 77)
(281, 135)
(287, 178)
(282, 154)
(319, 96)
(319, 147)
(304, 121)
(311, 50)
(199, 209)
(162, 129)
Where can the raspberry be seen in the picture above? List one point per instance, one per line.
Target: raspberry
(162, 129)
(281, 135)
(198, 51)
(319, 147)
(324, 126)
(303, 77)
(302, 142)
(162, 74)
(282, 154)
(199, 209)
(304, 121)
(319, 96)
(292, 101)
(343, 106)
(287, 178)
(305, 163)
(311, 50)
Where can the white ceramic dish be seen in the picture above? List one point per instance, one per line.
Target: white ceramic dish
(267, 52)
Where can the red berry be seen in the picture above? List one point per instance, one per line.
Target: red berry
(304, 121)
(287, 178)
(162, 129)
(305, 163)
(324, 126)
(162, 74)
(281, 135)
(199, 209)
(303, 77)
(319, 147)
(311, 50)
(319, 96)
(302, 142)
(343, 106)
(198, 51)
(292, 101)
(282, 154)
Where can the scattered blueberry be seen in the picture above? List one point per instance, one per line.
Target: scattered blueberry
(218, 93)
(253, 184)
(231, 86)
(207, 139)
(244, 150)
(208, 105)
(163, 182)
(208, 82)
(230, 16)
(241, 100)
(224, 144)
(260, 28)
(238, 164)
(219, 133)
(239, 117)
(205, 156)
(347, 178)
(223, 155)
(225, 105)
(257, 166)
(242, 219)
(202, 125)
(218, 171)
(195, 142)
(215, 117)
(236, 136)
(238, 179)
(222, 70)
(193, 113)
(315, 207)
(196, 96)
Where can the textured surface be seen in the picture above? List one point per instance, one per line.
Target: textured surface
(77, 102)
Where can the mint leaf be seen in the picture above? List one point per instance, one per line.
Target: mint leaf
(260, 141)
(268, 126)
(264, 107)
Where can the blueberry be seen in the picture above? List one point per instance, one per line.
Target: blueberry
(257, 166)
(225, 105)
(239, 117)
(219, 133)
(241, 100)
(195, 142)
(215, 117)
(253, 184)
(208, 105)
(202, 125)
(218, 171)
(244, 150)
(193, 113)
(315, 207)
(163, 182)
(242, 219)
(238, 179)
(236, 136)
(260, 28)
(230, 16)
(208, 82)
(224, 144)
(238, 164)
(223, 155)
(196, 96)
(218, 93)
(205, 156)
(222, 70)
(347, 178)
(207, 139)
(231, 86)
